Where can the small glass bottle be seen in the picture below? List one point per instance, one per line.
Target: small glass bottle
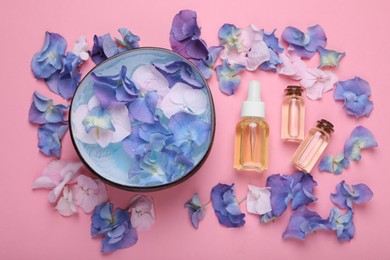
(251, 140)
(310, 149)
(293, 115)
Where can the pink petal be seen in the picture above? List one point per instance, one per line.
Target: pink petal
(43, 182)
(66, 206)
(258, 200)
(258, 54)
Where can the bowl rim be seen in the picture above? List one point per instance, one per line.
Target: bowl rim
(161, 186)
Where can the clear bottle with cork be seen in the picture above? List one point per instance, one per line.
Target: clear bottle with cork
(311, 148)
(251, 140)
(293, 115)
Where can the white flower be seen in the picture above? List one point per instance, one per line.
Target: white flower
(81, 48)
(258, 200)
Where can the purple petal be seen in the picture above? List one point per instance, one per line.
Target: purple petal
(360, 138)
(317, 38)
(184, 26)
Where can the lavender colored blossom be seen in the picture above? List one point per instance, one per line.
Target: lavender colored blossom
(43, 110)
(347, 195)
(196, 210)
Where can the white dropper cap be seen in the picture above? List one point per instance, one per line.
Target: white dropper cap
(253, 106)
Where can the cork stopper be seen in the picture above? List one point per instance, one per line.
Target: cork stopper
(325, 125)
(293, 90)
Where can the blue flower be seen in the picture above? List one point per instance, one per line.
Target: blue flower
(228, 77)
(99, 118)
(64, 82)
(178, 71)
(206, 65)
(43, 110)
(49, 138)
(342, 224)
(49, 59)
(333, 165)
(305, 44)
(303, 222)
(116, 228)
(272, 41)
(329, 58)
(185, 36)
(111, 89)
(130, 40)
(359, 139)
(226, 207)
(143, 108)
(297, 188)
(270, 65)
(188, 131)
(346, 195)
(229, 35)
(196, 210)
(355, 93)
(103, 48)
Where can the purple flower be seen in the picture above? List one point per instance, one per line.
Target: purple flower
(303, 222)
(115, 226)
(196, 210)
(274, 49)
(355, 93)
(64, 82)
(297, 188)
(43, 110)
(333, 165)
(329, 58)
(185, 36)
(228, 77)
(206, 65)
(178, 71)
(49, 138)
(346, 195)
(111, 89)
(305, 44)
(103, 48)
(359, 139)
(342, 224)
(49, 59)
(143, 108)
(272, 41)
(226, 207)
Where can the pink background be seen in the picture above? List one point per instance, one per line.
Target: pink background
(32, 229)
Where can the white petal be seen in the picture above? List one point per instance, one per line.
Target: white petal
(148, 78)
(258, 200)
(121, 122)
(196, 101)
(78, 127)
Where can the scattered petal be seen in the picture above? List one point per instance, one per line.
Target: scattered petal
(228, 77)
(316, 82)
(359, 139)
(292, 66)
(81, 48)
(258, 200)
(66, 205)
(130, 40)
(329, 58)
(196, 210)
(346, 195)
(49, 59)
(226, 207)
(342, 224)
(303, 222)
(49, 138)
(142, 213)
(43, 110)
(355, 93)
(333, 165)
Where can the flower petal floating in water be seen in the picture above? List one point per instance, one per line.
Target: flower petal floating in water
(49, 138)
(66, 206)
(184, 98)
(81, 48)
(248, 49)
(305, 44)
(55, 176)
(333, 165)
(226, 207)
(346, 195)
(64, 82)
(89, 193)
(329, 58)
(115, 226)
(303, 222)
(258, 200)
(228, 77)
(178, 71)
(196, 210)
(359, 139)
(316, 82)
(142, 213)
(342, 224)
(119, 115)
(49, 59)
(43, 110)
(355, 93)
(292, 65)
(297, 188)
